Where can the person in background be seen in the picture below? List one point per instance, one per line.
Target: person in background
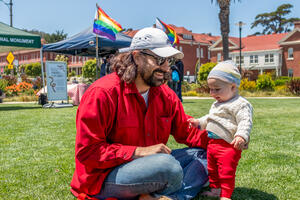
(123, 124)
(103, 67)
(174, 80)
(180, 67)
(229, 124)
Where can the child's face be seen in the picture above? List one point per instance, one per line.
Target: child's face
(221, 90)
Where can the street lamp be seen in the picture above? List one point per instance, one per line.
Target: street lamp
(9, 5)
(240, 24)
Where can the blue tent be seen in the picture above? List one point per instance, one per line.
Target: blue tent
(84, 43)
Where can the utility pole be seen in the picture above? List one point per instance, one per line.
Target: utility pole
(10, 10)
(240, 24)
(9, 6)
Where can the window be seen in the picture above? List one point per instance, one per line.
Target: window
(187, 37)
(180, 48)
(269, 58)
(201, 52)
(253, 59)
(219, 57)
(290, 53)
(290, 73)
(198, 53)
(238, 60)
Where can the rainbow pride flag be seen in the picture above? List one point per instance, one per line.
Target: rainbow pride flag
(105, 26)
(171, 33)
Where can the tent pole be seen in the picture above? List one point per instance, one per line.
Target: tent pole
(42, 68)
(97, 57)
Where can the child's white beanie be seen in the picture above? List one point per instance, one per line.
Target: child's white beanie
(226, 71)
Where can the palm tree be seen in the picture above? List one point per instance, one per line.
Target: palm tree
(224, 23)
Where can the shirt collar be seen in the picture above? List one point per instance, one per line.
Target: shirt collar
(130, 88)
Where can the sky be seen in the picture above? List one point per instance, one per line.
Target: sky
(199, 16)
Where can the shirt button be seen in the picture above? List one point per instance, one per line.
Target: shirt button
(148, 134)
(167, 120)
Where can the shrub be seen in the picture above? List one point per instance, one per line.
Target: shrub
(185, 86)
(265, 82)
(12, 90)
(294, 86)
(190, 93)
(3, 84)
(89, 69)
(8, 71)
(10, 79)
(247, 85)
(204, 71)
(72, 73)
(203, 87)
(33, 69)
(283, 80)
(25, 78)
(23, 87)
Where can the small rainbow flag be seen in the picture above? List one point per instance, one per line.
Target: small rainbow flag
(171, 33)
(105, 26)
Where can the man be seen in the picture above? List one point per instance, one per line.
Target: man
(123, 124)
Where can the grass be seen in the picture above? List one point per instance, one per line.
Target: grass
(37, 151)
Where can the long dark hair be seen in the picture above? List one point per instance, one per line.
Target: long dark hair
(124, 65)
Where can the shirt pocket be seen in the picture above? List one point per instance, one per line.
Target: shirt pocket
(164, 125)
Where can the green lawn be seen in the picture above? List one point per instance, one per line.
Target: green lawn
(37, 151)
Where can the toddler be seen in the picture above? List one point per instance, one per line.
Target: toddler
(228, 124)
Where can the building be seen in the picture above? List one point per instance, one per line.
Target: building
(290, 45)
(26, 56)
(277, 53)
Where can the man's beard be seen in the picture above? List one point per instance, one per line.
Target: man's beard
(153, 81)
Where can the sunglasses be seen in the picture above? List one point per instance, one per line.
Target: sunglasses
(160, 60)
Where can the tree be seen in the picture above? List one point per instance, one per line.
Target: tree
(50, 38)
(224, 23)
(275, 22)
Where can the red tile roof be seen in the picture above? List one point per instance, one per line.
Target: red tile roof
(205, 38)
(260, 42)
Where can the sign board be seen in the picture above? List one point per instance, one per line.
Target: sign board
(10, 66)
(20, 41)
(56, 74)
(10, 57)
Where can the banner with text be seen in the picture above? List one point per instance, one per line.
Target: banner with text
(56, 74)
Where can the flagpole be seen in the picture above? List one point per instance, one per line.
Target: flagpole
(97, 57)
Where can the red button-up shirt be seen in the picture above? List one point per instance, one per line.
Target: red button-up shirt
(113, 119)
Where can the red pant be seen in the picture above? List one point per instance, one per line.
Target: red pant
(222, 161)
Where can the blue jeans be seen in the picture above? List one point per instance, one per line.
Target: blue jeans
(180, 175)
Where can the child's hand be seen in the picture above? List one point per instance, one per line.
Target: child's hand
(193, 122)
(238, 143)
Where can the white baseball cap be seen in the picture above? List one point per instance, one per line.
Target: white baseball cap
(155, 40)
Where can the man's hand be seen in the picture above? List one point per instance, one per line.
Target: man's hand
(154, 149)
(238, 143)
